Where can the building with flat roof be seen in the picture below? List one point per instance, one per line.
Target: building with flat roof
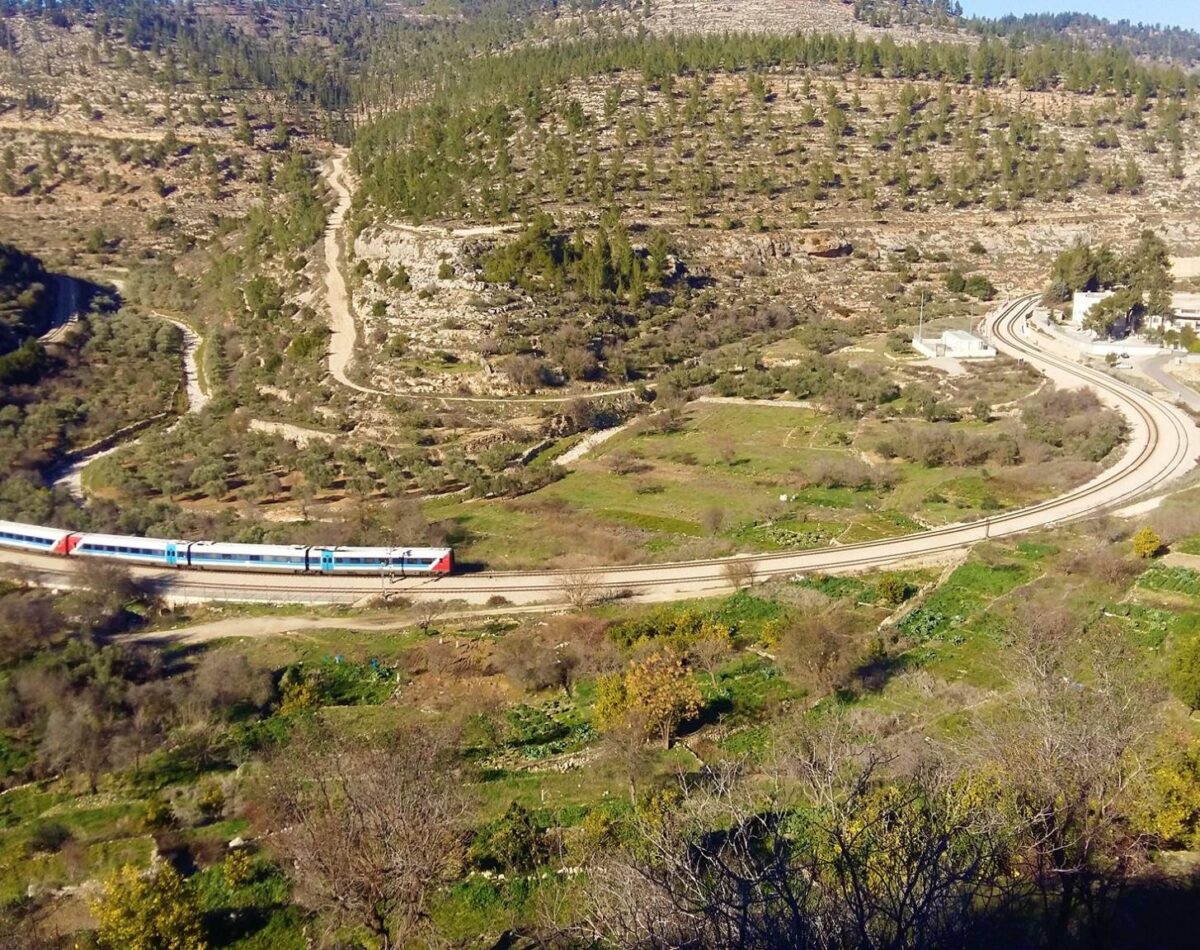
(1185, 312)
(958, 344)
(1082, 303)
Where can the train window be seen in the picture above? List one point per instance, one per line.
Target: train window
(28, 539)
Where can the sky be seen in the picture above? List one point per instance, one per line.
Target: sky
(1169, 12)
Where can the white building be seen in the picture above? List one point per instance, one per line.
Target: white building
(958, 344)
(1185, 312)
(1082, 303)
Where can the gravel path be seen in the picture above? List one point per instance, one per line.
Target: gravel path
(71, 477)
(341, 321)
(274, 626)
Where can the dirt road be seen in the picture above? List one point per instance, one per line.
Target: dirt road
(344, 333)
(341, 320)
(70, 476)
(66, 308)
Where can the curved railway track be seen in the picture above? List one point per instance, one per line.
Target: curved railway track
(1163, 445)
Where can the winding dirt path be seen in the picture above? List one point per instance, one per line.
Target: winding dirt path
(341, 320)
(1163, 445)
(70, 476)
(344, 330)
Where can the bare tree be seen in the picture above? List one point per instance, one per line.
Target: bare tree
(1072, 744)
(528, 661)
(428, 612)
(865, 862)
(710, 651)
(28, 621)
(819, 646)
(104, 591)
(224, 679)
(370, 831)
(77, 738)
(581, 588)
(713, 519)
(739, 573)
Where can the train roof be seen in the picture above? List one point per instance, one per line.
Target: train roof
(231, 547)
(33, 530)
(388, 552)
(126, 540)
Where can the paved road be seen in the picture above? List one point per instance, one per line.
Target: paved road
(1164, 444)
(1155, 368)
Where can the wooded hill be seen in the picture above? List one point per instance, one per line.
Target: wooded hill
(23, 297)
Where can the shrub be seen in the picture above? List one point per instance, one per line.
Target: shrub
(514, 843)
(238, 868)
(139, 911)
(1184, 675)
(1146, 542)
(211, 802)
(893, 589)
(979, 286)
(158, 816)
(48, 837)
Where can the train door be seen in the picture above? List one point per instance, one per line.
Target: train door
(172, 555)
(326, 561)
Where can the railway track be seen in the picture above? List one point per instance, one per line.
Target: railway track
(1163, 445)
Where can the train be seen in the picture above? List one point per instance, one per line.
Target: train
(221, 556)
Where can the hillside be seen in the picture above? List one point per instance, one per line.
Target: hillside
(756, 160)
(584, 289)
(24, 297)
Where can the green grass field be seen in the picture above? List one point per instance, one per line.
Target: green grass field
(733, 477)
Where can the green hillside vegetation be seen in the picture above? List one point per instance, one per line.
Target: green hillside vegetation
(524, 749)
(513, 134)
(1140, 279)
(79, 398)
(571, 219)
(24, 299)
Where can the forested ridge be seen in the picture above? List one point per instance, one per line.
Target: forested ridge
(1143, 39)
(454, 156)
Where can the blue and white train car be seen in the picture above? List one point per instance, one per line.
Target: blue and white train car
(120, 547)
(32, 537)
(216, 555)
(402, 561)
(163, 552)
